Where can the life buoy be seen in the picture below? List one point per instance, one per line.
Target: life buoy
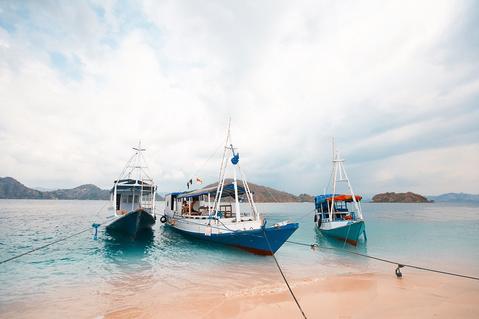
(163, 219)
(348, 217)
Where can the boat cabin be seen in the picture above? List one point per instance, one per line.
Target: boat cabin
(200, 203)
(131, 194)
(341, 206)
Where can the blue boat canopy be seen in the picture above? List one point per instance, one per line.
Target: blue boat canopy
(228, 190)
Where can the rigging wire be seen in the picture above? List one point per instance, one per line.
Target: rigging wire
(53, 242)
(400, 265)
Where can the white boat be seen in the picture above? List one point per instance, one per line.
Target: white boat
(133, 198)
(333, 215)
(215, 214)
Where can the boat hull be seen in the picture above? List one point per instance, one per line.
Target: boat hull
(349, 232)
(132, 223)
(253, 241)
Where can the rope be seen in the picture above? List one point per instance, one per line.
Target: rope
(284, 277)
(400, 265)
(53, 242)
(194, 175)
(303, 216)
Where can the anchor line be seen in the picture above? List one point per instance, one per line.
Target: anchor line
(53, 242)
(284, 277)
(400, 265)
(303, 216)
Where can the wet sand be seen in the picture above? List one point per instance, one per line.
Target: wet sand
(374, 293)
(366, 295)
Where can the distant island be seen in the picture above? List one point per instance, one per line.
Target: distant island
(392, 197)
(456, 197)
(10, 188)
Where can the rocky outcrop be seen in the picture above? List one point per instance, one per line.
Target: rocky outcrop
(392, 197)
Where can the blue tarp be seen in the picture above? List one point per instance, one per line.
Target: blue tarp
(228, 190)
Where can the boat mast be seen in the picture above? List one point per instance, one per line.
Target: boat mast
(115, 184)
(334, 183)
(234, 161)
(222, 177)
(221, 180)
(249, 195)
(338, 167)
(356, 204)
(139, 167)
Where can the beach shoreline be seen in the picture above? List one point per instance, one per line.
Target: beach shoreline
(377, 294)
(363, 295)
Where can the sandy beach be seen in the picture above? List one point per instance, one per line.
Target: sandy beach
(371, 294)
(366, 295)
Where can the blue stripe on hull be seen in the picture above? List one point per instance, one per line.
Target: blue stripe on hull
(250, 240)
(132, 223)
(349, 233)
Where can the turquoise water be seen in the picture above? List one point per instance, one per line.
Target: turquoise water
(84, 271)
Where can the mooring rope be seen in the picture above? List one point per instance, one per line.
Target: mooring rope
(56, 241)
(400, 265)
(282, 274)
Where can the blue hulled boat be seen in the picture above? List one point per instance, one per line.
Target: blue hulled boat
(214, 214)
(133, 198)
(333, 216)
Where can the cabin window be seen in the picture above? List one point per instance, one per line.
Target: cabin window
(340, 207)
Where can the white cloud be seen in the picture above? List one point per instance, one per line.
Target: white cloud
(373, 74)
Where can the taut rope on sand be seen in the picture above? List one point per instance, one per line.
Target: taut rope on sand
(284, 277)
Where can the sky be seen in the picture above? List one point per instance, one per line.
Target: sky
(396, 83)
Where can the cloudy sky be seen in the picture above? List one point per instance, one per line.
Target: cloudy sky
(396, 83)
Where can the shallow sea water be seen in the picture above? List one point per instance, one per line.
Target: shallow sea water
(102, 275)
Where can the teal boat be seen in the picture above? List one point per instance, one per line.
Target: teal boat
(339, 222)
(333, 215)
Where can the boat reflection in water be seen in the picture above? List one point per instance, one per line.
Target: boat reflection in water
(125, 249)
